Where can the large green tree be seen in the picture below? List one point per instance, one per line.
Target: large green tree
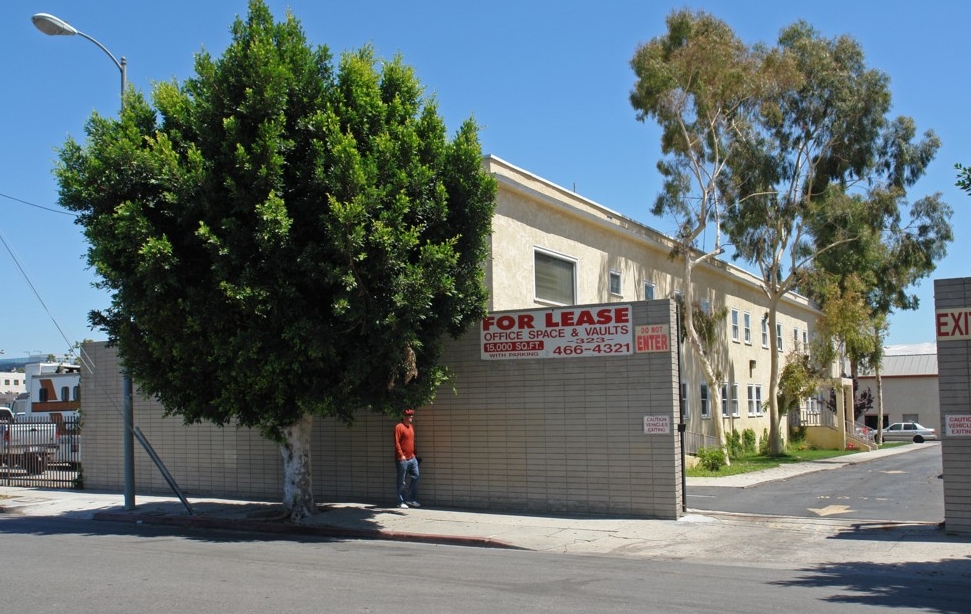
(704, 87)
(283, 238)
(798, 184)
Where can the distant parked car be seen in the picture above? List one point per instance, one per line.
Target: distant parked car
(908, 431)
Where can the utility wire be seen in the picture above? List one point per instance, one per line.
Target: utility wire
(30, 204)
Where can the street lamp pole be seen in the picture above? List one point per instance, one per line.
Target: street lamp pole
(53, 26)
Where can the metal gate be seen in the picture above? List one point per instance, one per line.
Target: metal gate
(41, 451)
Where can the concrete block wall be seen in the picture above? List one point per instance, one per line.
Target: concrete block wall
(954, 382)
(561, 435)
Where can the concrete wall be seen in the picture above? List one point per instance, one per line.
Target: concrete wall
(539, 435)
(954, 381)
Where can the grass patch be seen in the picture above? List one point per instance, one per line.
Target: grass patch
(748, 463)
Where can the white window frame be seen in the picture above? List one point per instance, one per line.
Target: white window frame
(735, 325)
(705, 403)
(649, 291)
(615, 275)
(747, 328)
(778, 335)
(726, 401)
(751, 400)
(735, 400)
(765, 333)
(544, 253)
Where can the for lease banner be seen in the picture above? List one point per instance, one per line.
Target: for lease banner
(568, 332)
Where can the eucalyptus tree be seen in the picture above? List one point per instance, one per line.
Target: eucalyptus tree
(704, 87)
(823, 141)
(283, 238)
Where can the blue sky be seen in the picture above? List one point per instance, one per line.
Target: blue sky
(547, 81)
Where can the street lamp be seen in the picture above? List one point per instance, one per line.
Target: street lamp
(52, 26)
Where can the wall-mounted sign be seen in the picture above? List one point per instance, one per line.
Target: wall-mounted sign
(957, 425)
(657, 425)
(652, 338)
(569, 332)
(953, 324)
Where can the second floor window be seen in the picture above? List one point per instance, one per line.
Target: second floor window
(765, 333)
(747, 328)
(734, 324)
(555, 279)
(615, 282)
(648, 291)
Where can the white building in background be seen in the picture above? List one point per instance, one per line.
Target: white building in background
(51, 389)
(12, 385)
(910, 387)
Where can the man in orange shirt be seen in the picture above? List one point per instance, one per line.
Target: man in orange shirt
(407, 462)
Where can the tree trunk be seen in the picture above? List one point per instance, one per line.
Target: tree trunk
(697, 347)
(879, 381)
(298, 496)
(776, 445)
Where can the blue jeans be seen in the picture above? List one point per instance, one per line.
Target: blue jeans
(407, 468)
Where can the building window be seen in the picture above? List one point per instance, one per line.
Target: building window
(747, 328)
(805, 341)
(65, 393)
(754, 399)
(705, 408)
(706, 307)
(648, 291)
(910, 418)
(735, 400)
(615, 282)
(555, 279)
(734, 324)
(725, 400)
(684, 397)
(77, 393)
(765, 333)
(778, 336)
(42, 395)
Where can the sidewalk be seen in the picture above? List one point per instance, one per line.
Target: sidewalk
(732, 539)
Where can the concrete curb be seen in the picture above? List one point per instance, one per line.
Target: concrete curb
(285, 528)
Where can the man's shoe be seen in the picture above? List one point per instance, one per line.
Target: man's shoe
(403, 506)
(413, 504)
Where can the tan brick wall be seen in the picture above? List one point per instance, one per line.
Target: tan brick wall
(954, 381)
(540, 435)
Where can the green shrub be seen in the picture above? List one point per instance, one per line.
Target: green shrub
(734, 444)
(748, 441)
(764, 443)
(711, 457)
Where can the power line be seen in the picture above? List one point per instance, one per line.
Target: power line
(30, 204)
(33, 289)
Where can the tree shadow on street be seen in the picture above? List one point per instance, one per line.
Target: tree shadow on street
(936, 586)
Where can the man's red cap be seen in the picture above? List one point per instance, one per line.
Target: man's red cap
(409, 412)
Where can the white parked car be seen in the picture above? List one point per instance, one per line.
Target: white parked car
(908, 431)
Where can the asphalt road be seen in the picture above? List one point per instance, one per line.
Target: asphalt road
(901, 488)
(81, 566)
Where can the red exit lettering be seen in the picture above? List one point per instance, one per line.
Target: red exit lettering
(584, 317)
(953, 324)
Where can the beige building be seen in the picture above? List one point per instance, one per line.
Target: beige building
(909, 382)
(551, 246)
(596, 433)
